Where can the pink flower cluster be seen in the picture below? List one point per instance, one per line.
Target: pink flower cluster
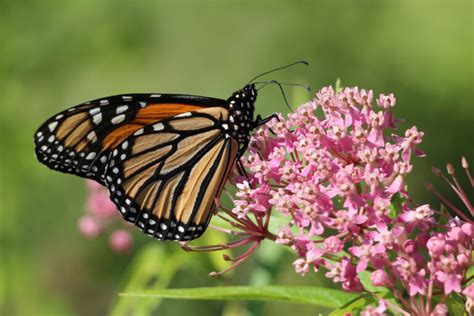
(335, 176)
(102, 214)
(334, 171)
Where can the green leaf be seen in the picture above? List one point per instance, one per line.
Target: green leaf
(338, 86)
(323, 297)
(455, 305)
(395, 206)
(152, 268)
(470, 270)
(356, 304)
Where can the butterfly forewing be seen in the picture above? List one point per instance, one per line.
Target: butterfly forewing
(80, 139)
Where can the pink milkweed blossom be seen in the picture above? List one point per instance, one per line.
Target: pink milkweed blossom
(102, 216)
(336, 170)
(334, 173)
(120, 240)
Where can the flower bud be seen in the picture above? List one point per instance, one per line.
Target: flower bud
(409, 246)
(89, 227)
(380, 278)
(120, 241)
(333, 244)
(440, 310)
(436, 246)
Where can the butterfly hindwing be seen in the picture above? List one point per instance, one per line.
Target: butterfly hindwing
(164, 177)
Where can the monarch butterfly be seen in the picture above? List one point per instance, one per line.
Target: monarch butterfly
(163, 157)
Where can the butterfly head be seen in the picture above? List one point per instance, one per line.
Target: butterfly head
(241, 109)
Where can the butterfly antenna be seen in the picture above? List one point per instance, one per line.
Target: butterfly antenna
(280, 85)
(279, 68)
(283, 93)
(304, 85)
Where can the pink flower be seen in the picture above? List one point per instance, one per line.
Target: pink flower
(375, 311)
(421, 217)
(448, 273)
(469, 291)
(99, 204)
(386, 101)
(345, 273)
(101, 214)
(120, 240)
(436, 246)
(440, 310)
(333, 244)
(301, 266)
(409, 272)
(89, 227)
(337, 185)
(380, 278)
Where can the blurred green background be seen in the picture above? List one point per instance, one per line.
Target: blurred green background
(55, 54)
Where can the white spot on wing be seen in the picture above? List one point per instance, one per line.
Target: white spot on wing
(52, 125)
(94, 111)
(122, 109)
(104, 102)
(92, 136)
(97, 118)
(158, 127)
(139, 132)
(185, 114)
(118, 119)
(91, 156)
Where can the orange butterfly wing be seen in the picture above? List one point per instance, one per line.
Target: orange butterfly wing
(164, 158)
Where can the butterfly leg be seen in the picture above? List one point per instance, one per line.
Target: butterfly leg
(262, 121)
(259, 121)
(241, 168)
